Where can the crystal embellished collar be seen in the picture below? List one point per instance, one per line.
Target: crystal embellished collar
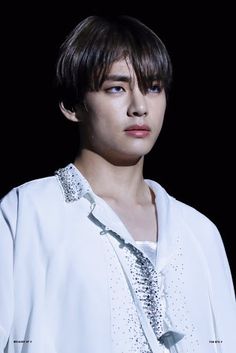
(73, 183)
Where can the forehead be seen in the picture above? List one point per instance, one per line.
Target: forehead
(121, 67)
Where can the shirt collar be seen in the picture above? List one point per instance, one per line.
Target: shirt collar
(75, 187)
(74, 184)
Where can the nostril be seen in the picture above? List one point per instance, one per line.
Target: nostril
(139, 113)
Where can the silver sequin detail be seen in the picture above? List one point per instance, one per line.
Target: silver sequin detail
(176, 302)
(74, 185)
(145, 282)
(126, 330)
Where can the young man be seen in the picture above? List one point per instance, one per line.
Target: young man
(95, 259)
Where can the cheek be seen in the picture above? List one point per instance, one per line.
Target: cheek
(157, 117)
(108, 116)
(162, 104)
(159, 109)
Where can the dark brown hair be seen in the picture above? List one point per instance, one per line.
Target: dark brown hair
(88, 52)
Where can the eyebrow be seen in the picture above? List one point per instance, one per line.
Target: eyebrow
(125, 78)
(122, 78)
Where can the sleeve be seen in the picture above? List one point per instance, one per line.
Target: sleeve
(222, 294)
(8, 217)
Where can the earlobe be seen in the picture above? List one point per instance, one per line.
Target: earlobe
(70, 115)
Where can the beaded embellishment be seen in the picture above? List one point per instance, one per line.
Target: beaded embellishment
(145, 283)
(74, 185)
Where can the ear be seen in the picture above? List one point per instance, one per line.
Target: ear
(70, 115)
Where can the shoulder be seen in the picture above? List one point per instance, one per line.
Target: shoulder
(42, 190)
(194, 218)
(40, 187)
(191, 218)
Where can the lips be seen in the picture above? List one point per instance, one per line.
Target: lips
(138, 131)
(138, 128)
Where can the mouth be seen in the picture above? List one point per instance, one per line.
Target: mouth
(138, 131)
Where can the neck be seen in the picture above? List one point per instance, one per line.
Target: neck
(111, 181)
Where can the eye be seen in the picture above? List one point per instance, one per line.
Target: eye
(155, 88)
(115, 89)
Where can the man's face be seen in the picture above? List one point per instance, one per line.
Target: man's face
(120, 122)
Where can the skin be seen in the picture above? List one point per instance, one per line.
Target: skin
(109, 153)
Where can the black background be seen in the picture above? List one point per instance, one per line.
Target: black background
(194, 155)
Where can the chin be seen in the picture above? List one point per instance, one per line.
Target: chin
(136, 154)
(128, 154)
(140, 151)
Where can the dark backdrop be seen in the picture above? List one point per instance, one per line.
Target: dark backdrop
(193, 158)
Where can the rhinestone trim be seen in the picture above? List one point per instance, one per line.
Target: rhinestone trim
(74, 185)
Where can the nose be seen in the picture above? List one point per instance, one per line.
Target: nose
(138, 105)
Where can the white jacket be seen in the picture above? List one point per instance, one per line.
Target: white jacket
(73, 281)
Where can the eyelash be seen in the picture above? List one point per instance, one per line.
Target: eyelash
(156, 86)
(149, 90)
(110, 89)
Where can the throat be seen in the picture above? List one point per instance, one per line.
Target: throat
(139, 220)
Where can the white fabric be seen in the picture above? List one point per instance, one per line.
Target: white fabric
(149, 248)
(62, 287)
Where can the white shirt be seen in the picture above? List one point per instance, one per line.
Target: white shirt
(72, 278)
(149, 248)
